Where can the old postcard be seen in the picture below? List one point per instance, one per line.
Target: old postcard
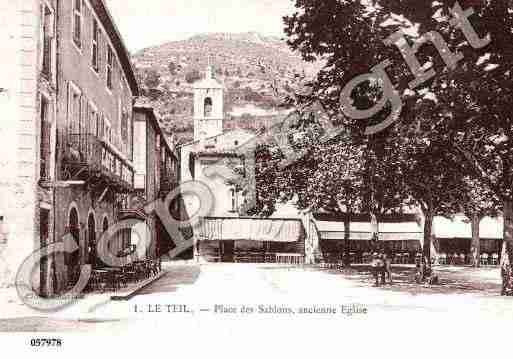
(256, 178)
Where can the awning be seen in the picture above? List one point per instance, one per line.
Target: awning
(257, 229)
(458, 227)
(358, 236)
(492, 228)
(400, 231)
(388, 231)
(401, 236)
(461, 227)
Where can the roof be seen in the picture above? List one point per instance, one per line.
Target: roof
(108, 23)
(227, 154)
(225, 133)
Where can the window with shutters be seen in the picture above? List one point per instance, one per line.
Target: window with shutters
(99, 126)
(108, 131)
(75, 109)
(48, 40)
(77, 22)
(93, 120)
(94, 50)
(110, 62)
(124, 127)
(234, 199)
(44, 170)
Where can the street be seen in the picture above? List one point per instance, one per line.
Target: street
(242, 294)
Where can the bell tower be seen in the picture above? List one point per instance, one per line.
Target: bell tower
(208, 106)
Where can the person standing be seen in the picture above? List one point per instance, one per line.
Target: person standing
(378, 269)
(388, 264)
(506, 275)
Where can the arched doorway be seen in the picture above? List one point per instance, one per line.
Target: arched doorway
(74, 258)
(105, 227)
(91, 241)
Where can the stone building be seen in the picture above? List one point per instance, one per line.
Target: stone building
(28, 97)
(69, 99)
(228, 151)
(223, 161)
(156, 177)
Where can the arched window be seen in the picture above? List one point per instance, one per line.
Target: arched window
(208, 107)
(73, 259)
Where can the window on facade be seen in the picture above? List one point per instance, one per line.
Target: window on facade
(45, 140)
(48, 27)
(123, 125)
(108, 132)
(94, 51)
(234, 199)
(99, 126)
(77, 22)
(75, 108)
(44, 227)
(93, 122)
(208, 107)
(110, 62)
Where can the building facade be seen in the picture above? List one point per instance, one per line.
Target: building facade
(28, 98)
(156, 177)
(213, 148)
(70, 104)
(223, 161)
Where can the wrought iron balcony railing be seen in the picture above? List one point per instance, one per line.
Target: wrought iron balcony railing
(88, 152)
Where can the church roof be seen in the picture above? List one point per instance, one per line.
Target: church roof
(220, 137)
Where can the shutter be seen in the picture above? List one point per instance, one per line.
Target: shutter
(45, 140)
(102, 127)
(68, 108)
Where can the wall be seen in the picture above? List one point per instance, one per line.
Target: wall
(83, 202)
(75, 69)
(236, 141)
(140, 150)
(21, 85)
(75, 66)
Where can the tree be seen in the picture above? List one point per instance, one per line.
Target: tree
(152, 79)
(478, 203)
(473, 106)
(172, 68)
(192, 76)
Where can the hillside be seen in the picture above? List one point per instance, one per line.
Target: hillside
(257, 71)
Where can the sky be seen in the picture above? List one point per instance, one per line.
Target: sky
(153, 22)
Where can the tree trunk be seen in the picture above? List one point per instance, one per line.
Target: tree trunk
(428, 225)
(476, 243)
(508, 231)
(347, 239)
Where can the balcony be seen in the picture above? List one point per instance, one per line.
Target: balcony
(88, 158)
(167, 184)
